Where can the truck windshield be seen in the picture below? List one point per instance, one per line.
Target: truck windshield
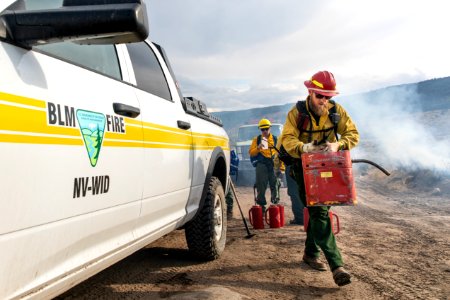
(249, 132)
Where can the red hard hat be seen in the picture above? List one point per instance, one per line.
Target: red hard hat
(323, 83)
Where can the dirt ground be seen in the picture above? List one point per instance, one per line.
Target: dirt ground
(395, 243)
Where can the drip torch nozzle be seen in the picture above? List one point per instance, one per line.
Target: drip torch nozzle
(373, 164)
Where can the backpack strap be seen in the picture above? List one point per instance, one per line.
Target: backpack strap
(303, 119)
(334, 118)
(258, 140)
(274, 137)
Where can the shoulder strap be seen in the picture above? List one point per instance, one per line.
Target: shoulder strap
(274, 140)
(333, 109)
(303, 118)
(334, 118)
(303, 115)
(258, 140)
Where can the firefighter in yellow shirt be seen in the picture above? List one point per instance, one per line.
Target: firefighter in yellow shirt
(262, 154)
(313, 125)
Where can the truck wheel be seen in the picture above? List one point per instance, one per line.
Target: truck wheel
(206, 234)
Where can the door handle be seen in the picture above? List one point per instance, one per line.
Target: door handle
(126, 110)
(183, 125)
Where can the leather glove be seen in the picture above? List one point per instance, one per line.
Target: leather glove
(310, 147)
(331, 147)
(275, 201)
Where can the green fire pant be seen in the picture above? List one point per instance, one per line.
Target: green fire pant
(319, 235)
(292, 190)
(265, 175)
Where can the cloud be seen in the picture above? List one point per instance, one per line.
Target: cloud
(242, 49)
(208, 27)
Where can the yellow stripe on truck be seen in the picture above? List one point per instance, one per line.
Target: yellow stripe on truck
(210, 142)
(20, 124)
(167, 136)
(29, 139)
(22, 119)
(22, 100)
(132, 134)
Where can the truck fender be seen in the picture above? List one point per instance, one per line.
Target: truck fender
(218, 168)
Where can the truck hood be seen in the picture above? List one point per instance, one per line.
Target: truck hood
(245, 143)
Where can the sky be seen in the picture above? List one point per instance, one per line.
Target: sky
(240, 54)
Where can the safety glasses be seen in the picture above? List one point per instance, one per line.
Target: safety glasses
(264, 129)
(319, 96)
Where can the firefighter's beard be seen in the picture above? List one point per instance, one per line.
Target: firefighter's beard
(318, 110)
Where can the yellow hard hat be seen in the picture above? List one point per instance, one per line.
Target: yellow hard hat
(264, 123)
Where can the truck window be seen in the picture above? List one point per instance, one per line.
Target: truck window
(35, 4)
(100, 58)
(149, 75)
(42, 4)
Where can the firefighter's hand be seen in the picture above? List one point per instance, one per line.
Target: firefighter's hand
(331, 147)
(260, 147)
(310, 147)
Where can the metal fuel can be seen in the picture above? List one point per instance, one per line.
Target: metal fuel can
(328, 178)
(255, 215)
(273, 216)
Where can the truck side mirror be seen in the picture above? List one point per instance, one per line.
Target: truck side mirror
(107, 22)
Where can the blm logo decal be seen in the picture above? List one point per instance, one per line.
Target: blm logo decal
(92, 127)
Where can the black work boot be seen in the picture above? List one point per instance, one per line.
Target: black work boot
(341, 276)
(314, 263)
(295, 222)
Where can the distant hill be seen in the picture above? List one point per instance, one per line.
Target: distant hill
(431, 95)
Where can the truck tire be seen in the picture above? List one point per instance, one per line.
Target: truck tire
(206, 233)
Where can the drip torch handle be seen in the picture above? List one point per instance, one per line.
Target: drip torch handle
(373, 164)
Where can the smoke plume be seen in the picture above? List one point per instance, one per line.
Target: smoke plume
(397, 130)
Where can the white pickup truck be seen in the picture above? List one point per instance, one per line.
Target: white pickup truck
(100, 153)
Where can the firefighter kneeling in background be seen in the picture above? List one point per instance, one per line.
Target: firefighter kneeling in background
(319, 133)
(261, 155)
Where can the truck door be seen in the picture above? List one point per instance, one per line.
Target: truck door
(72, 183)
(168, 151)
